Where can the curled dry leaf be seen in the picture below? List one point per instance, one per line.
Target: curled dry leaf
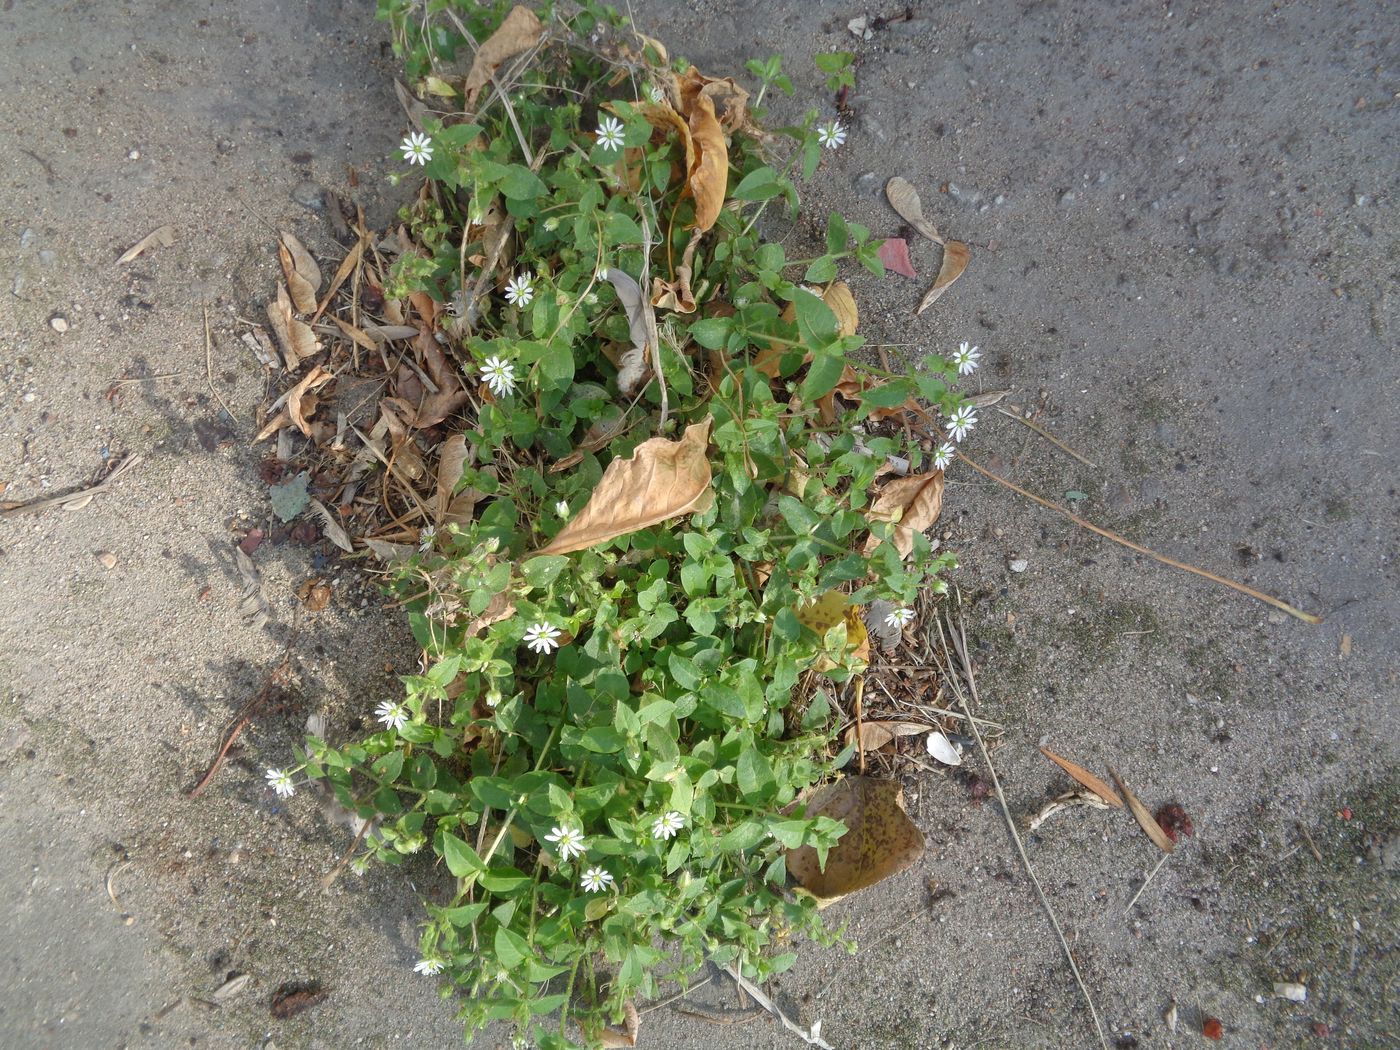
(912, 503)
(299, 404)
(302, 273)
(708, 179)
(451, 507)
(880, 839)
(875, 735)
(904, 199)
(676, 295)
(627, 1035)
(1144, 818)
(162, 236)
(1084, 777)
(729, 101)
(662, 479)
(295, 337)
(315, 595)
(641, 326)
(955, 258)
(520, 31)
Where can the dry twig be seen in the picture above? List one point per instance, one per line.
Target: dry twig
(74, 500)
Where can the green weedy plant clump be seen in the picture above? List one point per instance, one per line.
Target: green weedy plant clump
(606, 745)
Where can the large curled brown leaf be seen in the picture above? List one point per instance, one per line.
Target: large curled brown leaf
(913, 503)
(520, 31)
(880, 839)
(955, 259)
(709, 175)
(662, 479)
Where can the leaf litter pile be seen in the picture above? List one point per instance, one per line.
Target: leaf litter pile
(368, 439)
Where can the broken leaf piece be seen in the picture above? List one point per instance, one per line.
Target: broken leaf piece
(904, 199)
(1144, 818)
(627, 1035)
(955, 258)
(875, 735)
(662, 479)
(520, 31)
(162, 236)
(1084, 777)
(315, 595)
(880, 839)
(913, 503)
(894, 253)
(300, 404)
(302, 273)
(295, 337)
(290, 497)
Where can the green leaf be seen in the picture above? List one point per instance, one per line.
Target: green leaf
(743, 836)
(511, 948)
(837, 236)
(504, 880)
(823, 375)
(423, 773)
(758, 185)
(754, 775)
(541, 571)
(603, 740)
(815, 321)
(821, 270)
(389, 766)
(709, 332)
(517, 182)
(461, 859)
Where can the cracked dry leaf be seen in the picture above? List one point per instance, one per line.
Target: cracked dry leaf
(955, 258)
(302, 273)
(295, 337)
(662, 479)
(912, 503)
(520, 31)
(1083, 776)
(300, 403)
(880, 839)
(162, 236)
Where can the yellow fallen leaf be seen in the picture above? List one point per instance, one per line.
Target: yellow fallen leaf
(912, 503)
(520, 31)
(880, 839)
(662, 479)
(955, 259)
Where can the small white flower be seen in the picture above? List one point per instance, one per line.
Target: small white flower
(426, 536)
(429, 967)
(602, 273)
(417, 148)
(654, 93)
(542, 637)
(569, 842)
(961, 422)
(359, 866)
(551, 224)
(562, 508)
(595, 879)
(900, 617)
(499, 375)
(493, 697)
(394, 716)
(831, 135)
(519, 290)
(943, 456)
(281, 782)
(966, 359)
(610, 133)
(667, 825)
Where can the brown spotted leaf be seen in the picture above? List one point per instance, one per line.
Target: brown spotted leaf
(955, 259)
(912, 503)
(662, 479)
(880, 839)
(1084, 777)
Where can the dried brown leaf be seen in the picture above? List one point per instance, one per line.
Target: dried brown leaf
(662, 479)
(708, 179)
(729, 101)
(912, 503)
(501, 607)
(520, 31)
(880, 839)
(302, 273)
(1144, 818)
(955, 259)
(297, 402)
(627, 1036)
(875, 735)
(331, 526)
(904, 199)
(295, 337)
(676, 295)
(315, 595)
(1084, 777)
(162, 236)
(357, 336)
(451, 507)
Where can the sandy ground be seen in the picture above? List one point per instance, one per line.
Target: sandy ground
(1185, 233)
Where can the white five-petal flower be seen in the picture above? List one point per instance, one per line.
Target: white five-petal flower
(562, 508)
(595, 879)
(943, 456)
(499, 375)
(831, 135)
(610, 133)
(900, 617)
(542, 637)
(667, 825)
(520, 290)
(569, 841)
(966, 358)
(394, 716)
(281, 782)
(417, 148)
(429, 967)
(961, 422)
(654, 93)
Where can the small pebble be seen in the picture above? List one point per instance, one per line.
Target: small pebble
(1293, 992)
(1019, 565)
(58, 323)
(309, 195)
(108, 559)
(134, 155)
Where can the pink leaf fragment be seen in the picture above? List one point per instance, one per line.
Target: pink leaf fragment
(894, 253)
